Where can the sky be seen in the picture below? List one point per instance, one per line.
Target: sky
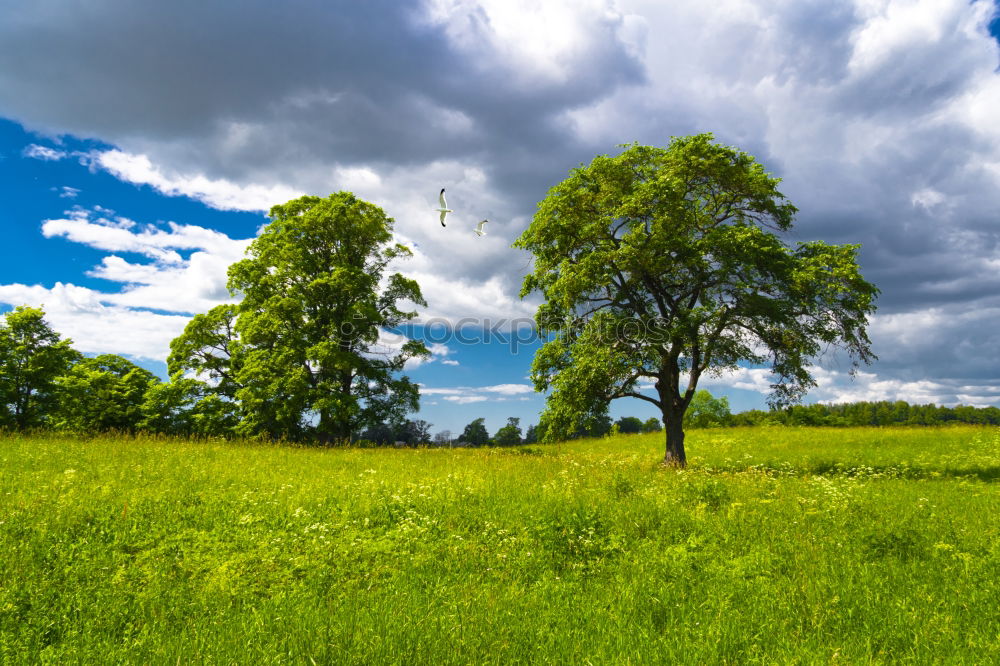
(142, 144)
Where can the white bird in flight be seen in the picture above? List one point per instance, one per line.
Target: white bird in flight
(479, 228)
(443, 207)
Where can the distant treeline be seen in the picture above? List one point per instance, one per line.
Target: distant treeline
(882, 413)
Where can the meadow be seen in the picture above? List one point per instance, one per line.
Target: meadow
(776, 545)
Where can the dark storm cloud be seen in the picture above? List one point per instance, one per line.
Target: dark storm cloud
(355, 82)
(865, 110)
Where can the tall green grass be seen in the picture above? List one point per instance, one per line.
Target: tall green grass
(776, 545)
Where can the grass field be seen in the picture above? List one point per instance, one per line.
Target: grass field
(776, 545)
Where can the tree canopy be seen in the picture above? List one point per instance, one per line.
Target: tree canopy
(32, 358)
(652, 424)
(510, 434)
(102, 393)
(188, 407)
(661, 264)
(476, 433)
(706, 411)
(629, 425)
(302, 352)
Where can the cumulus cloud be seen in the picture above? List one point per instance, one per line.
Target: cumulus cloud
(171, 282)
(508, 389)
(95, 326)
(468, 394)
(120, 234)
(215, 192)
(879, 115)
(43, 153)
(155, 298)
(465, 399)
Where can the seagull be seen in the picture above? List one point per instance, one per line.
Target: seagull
(444, 207)
(479, 228)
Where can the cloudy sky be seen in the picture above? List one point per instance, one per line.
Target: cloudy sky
(141, 143)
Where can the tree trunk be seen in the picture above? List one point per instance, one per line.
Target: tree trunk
(673, 425)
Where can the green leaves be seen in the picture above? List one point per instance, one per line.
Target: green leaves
(32, 357)
(706, 411)
(102, 394)
(662, 263)
(300, 352)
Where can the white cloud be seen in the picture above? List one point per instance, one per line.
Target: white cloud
(461, 275)
(468, 394)
(539, 42)
(66, 192)
(124, 321)
(443, 391)
(171, 282)
(508, 389)
(891, 28)
(44, 153)
(837, 387)
(391, 343)
(927, 198)
(116, 234)
(96, 327)
(217, 193)
(464, 399)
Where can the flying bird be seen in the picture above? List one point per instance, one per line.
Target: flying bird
(479, 228)
(443, 207)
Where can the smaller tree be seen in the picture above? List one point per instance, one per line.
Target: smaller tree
(32, 357)
(707, 411)
(210, 349)
(102, 393)
(510, 434)
(629, 425)
(476, 434)
(531, 434)
(413, 432)
(443, 438)
(188, 408)
(379, 433)
(652, 425)
(594, 425)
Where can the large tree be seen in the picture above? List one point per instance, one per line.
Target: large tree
(302, 352)
(661, 264)
(32, 358)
